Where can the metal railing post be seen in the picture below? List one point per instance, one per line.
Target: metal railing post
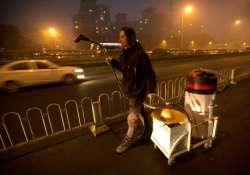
(232, 78)
(99, 125)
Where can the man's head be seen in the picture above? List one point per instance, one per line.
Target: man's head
(127, 37)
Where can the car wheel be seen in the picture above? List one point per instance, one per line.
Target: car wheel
(69, 79)
(11, 86)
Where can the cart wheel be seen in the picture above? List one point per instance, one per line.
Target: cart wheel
(155, 147)
(208, 146)
(171, 161)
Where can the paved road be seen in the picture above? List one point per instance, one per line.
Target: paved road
(86, 155)
(100, 80)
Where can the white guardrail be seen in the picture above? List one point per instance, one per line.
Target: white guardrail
(40, 124)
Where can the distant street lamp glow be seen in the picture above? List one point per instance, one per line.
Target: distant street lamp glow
(51, 35)
(237, 22)
(52, 32)
(164, 44)
(192, 44)
(188, 9)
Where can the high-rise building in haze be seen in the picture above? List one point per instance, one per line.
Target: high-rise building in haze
(154, 25)
(93, 20)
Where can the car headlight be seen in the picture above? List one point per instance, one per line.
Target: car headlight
(80, 76)
(78, 70)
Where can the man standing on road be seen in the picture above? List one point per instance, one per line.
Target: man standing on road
(138, 80)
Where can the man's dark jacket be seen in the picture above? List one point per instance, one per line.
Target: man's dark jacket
(138, 75)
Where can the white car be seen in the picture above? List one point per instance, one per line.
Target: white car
(25, 73)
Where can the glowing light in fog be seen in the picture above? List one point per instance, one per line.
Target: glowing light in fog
(188, 9)
(52, 32)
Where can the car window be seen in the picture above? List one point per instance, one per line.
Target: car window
(41, 65)
(20, 66)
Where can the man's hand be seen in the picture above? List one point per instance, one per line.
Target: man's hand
(150, 95)
(108, 60)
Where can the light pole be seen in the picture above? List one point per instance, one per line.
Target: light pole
(236, 33)
(210, 43)
(187, 10)
(53, 34)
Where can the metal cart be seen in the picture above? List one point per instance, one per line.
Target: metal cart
(175, 127)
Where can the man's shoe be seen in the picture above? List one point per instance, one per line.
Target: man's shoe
(125, 145)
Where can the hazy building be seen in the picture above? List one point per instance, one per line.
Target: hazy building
(152, 28)
(93, 20)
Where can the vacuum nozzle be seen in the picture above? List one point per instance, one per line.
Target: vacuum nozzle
(82, 38)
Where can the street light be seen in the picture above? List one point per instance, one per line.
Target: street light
(187, 10)
(164, 44)
(210, 43)
(244, 44)
(192, 44)
(53, 34)
(237, 29)
(237, 22)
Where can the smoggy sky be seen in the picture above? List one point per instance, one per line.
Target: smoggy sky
(32, 15)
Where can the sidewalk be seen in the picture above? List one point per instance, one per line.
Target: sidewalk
(86, 155)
